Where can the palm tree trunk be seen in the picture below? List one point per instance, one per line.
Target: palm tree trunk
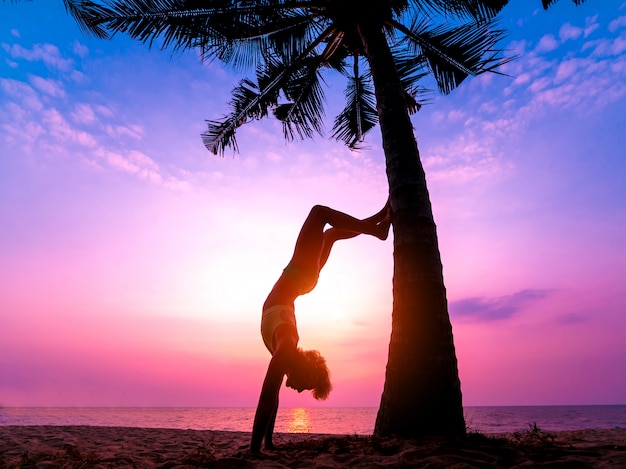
(422, 391)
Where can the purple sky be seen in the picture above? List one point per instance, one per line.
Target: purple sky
(133, 263)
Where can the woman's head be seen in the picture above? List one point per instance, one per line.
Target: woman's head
(309, 371)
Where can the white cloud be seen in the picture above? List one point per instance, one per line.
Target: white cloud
(617, 23)
(569, 32)
(47, 53)
(522, 79)
(22, 92)
(470, 156)
(80, 49)
(489, 108)
(438, 116)
(59, 128)
(103, 110)
(456, 115)
(600, 48)
(31, 120)
(619, 46)
(118, 131)
(142, 160)
(566, 69)
(47, 86)
(117, 161)
(274, 157)
(15, 33)
(547, 43)
(606, 47)
(450, 116)
(78, 77)
(21, 130)
(83, 114)
(139, 164)
(539, 84)
(591, 24)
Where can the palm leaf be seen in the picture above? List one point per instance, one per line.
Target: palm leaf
(249, 101)
(84, 13)
(302, 116)
(455, 52)
(233, 32)
(412, 69)
(478, 10)
(359, 116)
(548, 3)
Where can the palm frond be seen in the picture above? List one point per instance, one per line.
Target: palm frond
(548, 3)
(455, 52)
(288, 42)
(235, 32)
(302, 116)
(477, 10)
(84, 13)
(360, 115)
(219, 136)
(412, 69)
(244, 44)
(250, 101)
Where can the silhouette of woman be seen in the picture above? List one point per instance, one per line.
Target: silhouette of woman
(304, 369)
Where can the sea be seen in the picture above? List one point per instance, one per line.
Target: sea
(325, 420)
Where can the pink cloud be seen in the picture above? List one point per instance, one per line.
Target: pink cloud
(495, 309)
(47, 86)
(83, 114)
(117, 131)
(22, 92)
(58, 127)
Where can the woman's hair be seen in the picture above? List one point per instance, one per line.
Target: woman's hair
(316, 365)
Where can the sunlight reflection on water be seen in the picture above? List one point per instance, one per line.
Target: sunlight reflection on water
(345, 421)
(299, 421)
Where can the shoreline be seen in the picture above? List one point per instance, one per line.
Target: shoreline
(100, 447)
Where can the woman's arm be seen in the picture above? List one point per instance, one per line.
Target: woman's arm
(268, 402)
(286, 342)
(269, 433)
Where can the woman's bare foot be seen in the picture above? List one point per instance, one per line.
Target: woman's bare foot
(383, 227)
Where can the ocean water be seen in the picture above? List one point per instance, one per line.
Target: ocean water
(332, 420)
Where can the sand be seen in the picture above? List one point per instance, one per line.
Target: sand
(119, 447)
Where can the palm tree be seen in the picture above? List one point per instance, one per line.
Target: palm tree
(383, 48)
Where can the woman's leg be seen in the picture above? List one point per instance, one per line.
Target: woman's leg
(313, 244)
(333, 234)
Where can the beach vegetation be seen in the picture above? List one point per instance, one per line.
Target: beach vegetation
(534, 436)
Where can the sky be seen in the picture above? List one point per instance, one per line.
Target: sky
(134, 263)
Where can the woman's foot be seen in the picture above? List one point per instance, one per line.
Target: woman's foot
(383, 227)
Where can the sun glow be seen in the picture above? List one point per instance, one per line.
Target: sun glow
(299, 421)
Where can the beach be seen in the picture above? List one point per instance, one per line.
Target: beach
(125, 447)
